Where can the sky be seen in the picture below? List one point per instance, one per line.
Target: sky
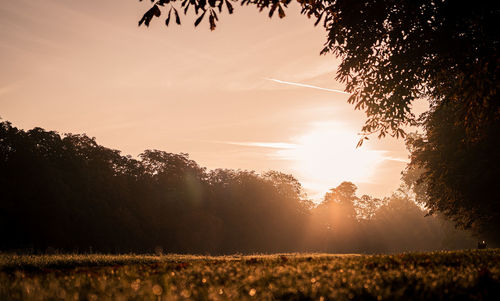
(254, 94)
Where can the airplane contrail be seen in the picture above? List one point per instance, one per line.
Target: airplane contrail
(306, 86)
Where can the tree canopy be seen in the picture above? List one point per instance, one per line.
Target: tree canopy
(69, 193)
(396, 52)
(455, 174)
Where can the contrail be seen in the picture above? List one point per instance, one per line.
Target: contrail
(306, 86)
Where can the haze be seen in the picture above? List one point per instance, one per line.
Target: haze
(254, 94)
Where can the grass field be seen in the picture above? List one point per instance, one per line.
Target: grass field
(459, 275)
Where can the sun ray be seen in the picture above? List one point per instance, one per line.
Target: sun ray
(326, 155)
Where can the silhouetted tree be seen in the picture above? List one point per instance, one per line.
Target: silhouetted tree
(70, 193)
(400, 224)
(336, 214)
(366, 206)
(458, 171)
(344, 196)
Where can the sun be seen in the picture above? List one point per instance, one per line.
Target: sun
(326, 155)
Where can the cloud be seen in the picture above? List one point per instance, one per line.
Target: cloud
(397, 159)
(277, 145)
(306, 86)
(7, 89)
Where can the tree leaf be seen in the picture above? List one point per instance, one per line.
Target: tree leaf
(156, 10)
(212, 22)
(319, 19)
(197, 22)
(163, 2)
(148, 16)
(281, 12)
(168, 17)
(230, 8)
(273, 8)
(177, 18)
(360, 143)
(221, 2)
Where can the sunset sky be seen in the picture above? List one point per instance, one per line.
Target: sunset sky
(254, 94)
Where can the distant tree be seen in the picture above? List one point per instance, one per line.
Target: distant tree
(285, 183)
(68, 192)
(366, 206)
(336, 211)
(344, 195)
(400, 224)
(288, 186)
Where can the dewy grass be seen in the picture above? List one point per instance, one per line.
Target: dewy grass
(472, 274)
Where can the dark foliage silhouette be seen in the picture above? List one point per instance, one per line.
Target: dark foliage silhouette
(457, 172)
(71, 194)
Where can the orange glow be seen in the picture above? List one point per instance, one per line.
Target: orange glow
(326, 155)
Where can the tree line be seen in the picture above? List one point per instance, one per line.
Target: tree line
(68, 193)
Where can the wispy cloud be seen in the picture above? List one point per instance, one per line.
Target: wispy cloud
(396, 159)
(306, 86)
(7, 89)
(293, 146)
(278, 145)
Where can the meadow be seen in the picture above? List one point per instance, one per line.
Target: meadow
(456, 275)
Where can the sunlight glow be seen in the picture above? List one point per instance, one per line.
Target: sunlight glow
(326, 155)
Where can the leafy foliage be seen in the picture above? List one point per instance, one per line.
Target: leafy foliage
(70, 193)
(456, 169)
(366, 207)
